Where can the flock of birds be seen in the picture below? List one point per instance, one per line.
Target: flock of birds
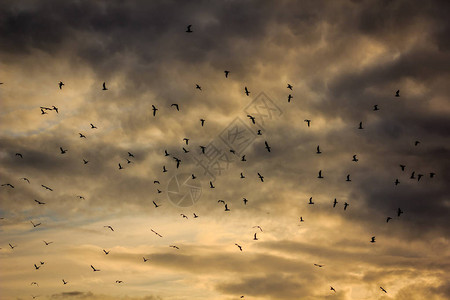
(63, 150)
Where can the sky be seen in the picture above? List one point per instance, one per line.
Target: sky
(344, 62)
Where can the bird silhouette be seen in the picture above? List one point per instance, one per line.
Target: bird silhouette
(178, 160)
(55, 109)
(308, 122)
(240, 248)
(128, 161)
(310, 201)
(189, 29)
(35, 225)
(93, 126)
(348, 178)
(246, 91)
(345, 205)
(110, 227)
(120, 167)
(261, 177)
(251, 118)
(47, 188)
(202, 121)
(396, 181)
(60, 84)
(354, 158)
(254, 237)
(156, 233)
(301, 219)
(257, 226)
(317, 265)
(375, 107)
(432, 174)
(193, 176)
(220, 201)
(176, 106)
(184, 216)
(318, 150)
(403, 167)
(82, 135)
(85, 161)
(186, 141)
(243, 158)
(416, 143)
(387, 219)
(62, 150)
(198, 87)
(175, 247)
(289, 86)
(383, 289)
(412, 175)
(203, 149)
(164, 169)
(242, 175)
(245, 201)
(145, 259)
(289, 98)
(156, 182)
(19, 155)
(419, 176)
(104, 86)
(335, 202)
(211, 185)
(119, 281)
(397, 93)
(156, 205)
(12, 247)
(399, 212)
(372, 240)
(36, 267)
(360, 126)
(94, 269)
(64, 282)
(39, 202)
(332, 289)
(43, 112)
(226, 73)
(267, 146)
(8, 184)
(259, 132)
(106, 252)
(226, 207)
(185, 150)
(35, 283)
(47, 243)
(320, 174)
(195, 215)
(154, 110)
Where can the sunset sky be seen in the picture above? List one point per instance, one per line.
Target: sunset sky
(342, 58)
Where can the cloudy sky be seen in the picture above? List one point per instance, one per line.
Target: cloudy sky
(340, 57)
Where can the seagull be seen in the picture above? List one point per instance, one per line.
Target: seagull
(34, 282)
(184, 216)
(94, 269)
(345, 205)
(202, 121)
(64, 282)
(289, 86)
(399, 212)
(396, 181)
(62, 150)
(82, 135)
(403, 167)
(8, 184)
(185, 150)
(226, 207)
(164, 169)
(186, 140)
(240, 248)
(387, 219)
(373, 240)
(220, 201)
(383, 289)
(251, 118)
(39, 202)
(36, 267)
(310, 201)
(360, 126)
(35, 225)
(232, 151)
(332, 289)
(289, 98)
(176, 106)
(195, 215)
(432, 175)
(43, 112)
(175, 247)
(119, 281)
(261, 177)
(198, 87)
(412, 175)
(259, 227)
(255, 238)
(12, 247)
(47, 243)
(108, 226)
(259, 132)
(104, 86)
(335, 202)
(85, 161)
(156, 205)
(93, 126)
(60, 84)
(120, 167)
(156, 182)
(156, 233)
(55, 109)
(246, 91)
(267, 146)
(419, 176)
(242, 175)
(211, 185)
(178, 160)
(47, 188)
(354, 158)
(245, 201)
(348, 178)
(19, 155)
(375, 107)
(301, 219)
(189, 29)
(308, 122)
(106, 252)
(154, 110)
(320, 174)
(397, 93)
(128, 161)
(145, 259)
(317, 265)
(318, 150)
(416, 143)
(203, 149)
(193, 176)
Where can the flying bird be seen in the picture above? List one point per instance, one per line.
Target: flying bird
(348, 178)
(108, 226)
(243, 158)
(345, 205)
(335, 202)
(226, 207)
(332, 289)
(360, 126)
(289, 86)
(240, 248)
(178, 160)
(47, 188)
(120, 167)
(185, 150)
(397, 93)
(259, 132)
(93, 126)
(64, 282)
(55, 109)
(211, 185)
(145, 259)
(261, 177)
(432, 175)
(220, 201)
(60, 84)
(396, 181)
(412, 175)
(387, 219)
(245, 201)
(317, 265)
(242, 175)
(164, 169)
(39, 202)
(104, 86)
(82, 135)
(383, 289)
(375, 107)
(184, 216)
(251, 118)
(203, 149)
(195, 215)
(267, 146)
(202, 121)
(189, 29)
(47, 243)
(310, 201)
(12, 247)
(154, 110)
(308, 122)
(156, 205)
(354, 158)
(8, 184)
(35, 225)
(119, 281)
(419, 176)
(246, 91)
(289, 98)
(320, 174)
(85, 161)
(198, 87)
(372, 240)
(36, 267)
(318, 150)
(106, 252)
(94, 269)
(226, 73)
(399, 212)
(175, 247)
(43, 112)
(259, 227)
(62, 150)
(254, 237)
(176, 106)
(156, 233)
(301, 219)
(416, 143)
(403, 167)
(19, 155)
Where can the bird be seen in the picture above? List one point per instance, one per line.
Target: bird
(226, 73)
(243, 158)
(301, 219)
(360, 126)
(242, 175)
(387, 219)
(8, 184)
(81, 197)
(186, 140)
(254, 237)
(332, 289)
(232, 151)
(259, 227)
(432, 174)
(198, 87)
(403, 167)
(211, 185)
(130, 154)
(202, 121)
(372, 240)
(55, 109)
(308, 122)
(318, 150)
(320, 174)
(184, 216)
(82, 135)
(195, 215)
(345, 205)
(261, 177)
(239, 246)
(317, 265)
(419, 176)
(251, 118)
(203, 149)
(104, 86)
(110, 227)
(354, 158)
(106, 252)
(85, 161)
(156, 182)
(175, 247)
(19, 155)
(246, 91)
(245, 201)
(348, 178)
(397, 93)
(289, 98)
(267, 146)
(12, 247)
(416, 143)
(35, 225)
(176, 106)
(94, 269)
(185, 150)
(64, 282)
(193, 176)
(310, 201)
(120, 167)
(62, 150)
(289, 86)
(156, 205)
(178, 160)
(39, 202)
(220, 201)
(396, 181)
(383, 289)
(156, 233)
(154, 110)
(36, 267)
(375, 107)
(47, 243)
(189, 29)
(43, 112)
(35, 283)
(226, 207)
(93, 126)
(119, 281)
(60, 84)
(47, 188)
(259, 132)
(164, 169)
(412, 175)
(335, 202)
(399, 212)
(145, 259)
